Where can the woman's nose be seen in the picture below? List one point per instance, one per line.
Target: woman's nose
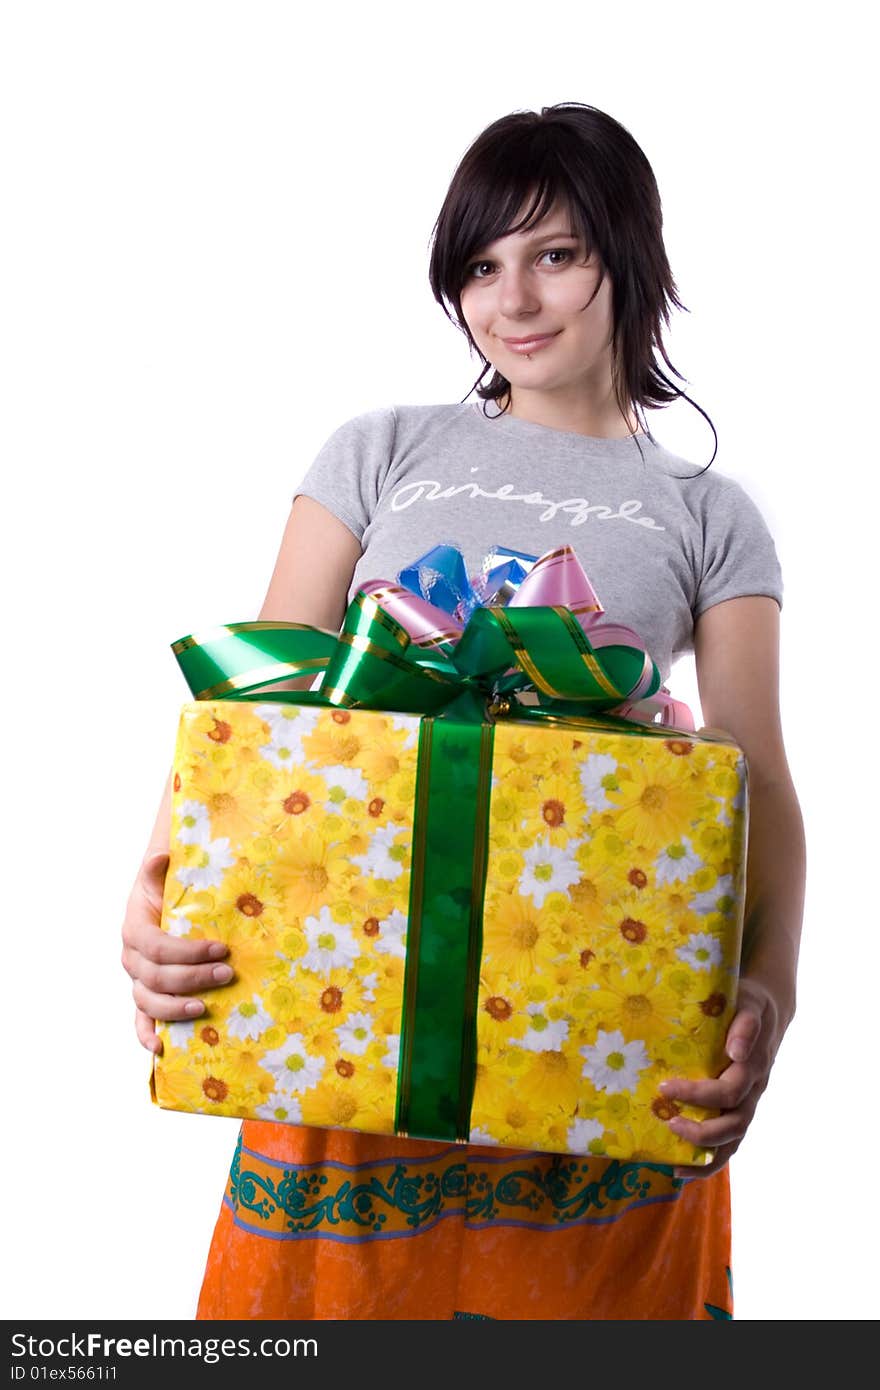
(516, 293)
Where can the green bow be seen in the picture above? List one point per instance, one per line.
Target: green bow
(372, 663)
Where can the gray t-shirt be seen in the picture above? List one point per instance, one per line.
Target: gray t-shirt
(658, 551)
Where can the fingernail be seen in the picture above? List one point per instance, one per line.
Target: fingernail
(222, 973)
(194, 1006)
(664, 1086)
(217, 950)
(736, 1050)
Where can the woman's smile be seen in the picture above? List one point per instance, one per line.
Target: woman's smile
(529, 345)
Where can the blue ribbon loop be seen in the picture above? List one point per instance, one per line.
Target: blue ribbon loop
(440, 577)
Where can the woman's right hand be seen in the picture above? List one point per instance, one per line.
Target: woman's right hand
(165, 970)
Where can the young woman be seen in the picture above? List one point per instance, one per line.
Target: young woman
(548, 254)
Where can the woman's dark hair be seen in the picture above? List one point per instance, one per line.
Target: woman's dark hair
(585, 160)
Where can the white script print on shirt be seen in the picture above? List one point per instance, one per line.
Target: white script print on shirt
(581, 510)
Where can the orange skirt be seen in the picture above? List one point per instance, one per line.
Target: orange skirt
(331, 1224)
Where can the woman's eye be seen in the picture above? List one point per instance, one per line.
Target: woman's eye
(476, 266)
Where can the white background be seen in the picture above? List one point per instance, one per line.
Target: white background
(215, 237)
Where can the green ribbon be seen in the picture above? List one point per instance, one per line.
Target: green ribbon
(444, 942)
(459, 690)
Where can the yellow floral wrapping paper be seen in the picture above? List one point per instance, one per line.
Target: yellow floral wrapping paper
(611, 927)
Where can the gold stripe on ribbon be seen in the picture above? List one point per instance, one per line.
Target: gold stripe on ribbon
(522, 656)
(367, 605)
(475, 936)
(587, 657)
(647, 668)
(552, 560)
(340, 697)
(536, 676)
(277, 670)
(219, 634)
(363, 644)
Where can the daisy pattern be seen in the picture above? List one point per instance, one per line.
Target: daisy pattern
(519, 939)
(738, 801)
(294, 1070)
(544, 1035)
(180, 1033)
(658, 801)
(195, 824)
(548, 869)
(614, 1065)
(208, 869)
(249, 1019)
(391, 940)
(677, 862)
(330, 945)
(701, 951)
(597, 777)
(481, 1136)
(721, 817)
(283, 753)
(625, 939)
(296, 720)
(721, 897)
(343, 784)
(582, 1134)
(355, 1034)
(288, 726)
(286, 1109)
(179, 926)
(378, 861)
(410, 723)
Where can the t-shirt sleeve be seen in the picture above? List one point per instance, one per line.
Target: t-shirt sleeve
(739, 553)
(347, 473)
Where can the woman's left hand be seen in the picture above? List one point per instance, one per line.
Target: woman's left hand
(752, 1042)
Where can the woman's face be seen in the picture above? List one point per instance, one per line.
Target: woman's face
(541, 282)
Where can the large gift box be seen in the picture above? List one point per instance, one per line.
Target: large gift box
(490, 910)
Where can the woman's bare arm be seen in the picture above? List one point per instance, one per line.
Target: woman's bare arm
(736, 645)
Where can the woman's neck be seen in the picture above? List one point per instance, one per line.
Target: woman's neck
(598, 419)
